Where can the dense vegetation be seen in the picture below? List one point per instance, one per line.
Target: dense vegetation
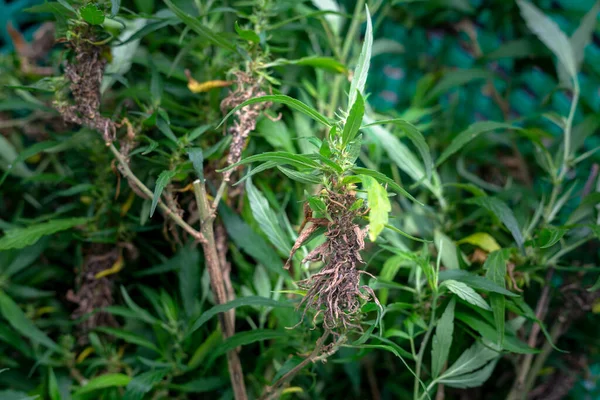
(204, 199)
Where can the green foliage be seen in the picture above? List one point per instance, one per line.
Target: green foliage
(482, 257)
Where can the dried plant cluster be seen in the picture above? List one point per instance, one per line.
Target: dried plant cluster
(85, 72)
(335, 291)
(245, 118)
(94, 291)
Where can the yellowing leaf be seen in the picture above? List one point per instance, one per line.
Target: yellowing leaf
(292, 389)
(482, 240)
(200, 87)
(596, 307)
(379, 204)
(117, 266)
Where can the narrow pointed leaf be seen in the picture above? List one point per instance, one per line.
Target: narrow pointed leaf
(354, 120)
(466, 293)
(362, 67)
(163, 180)
(442, 340)
(282, 99)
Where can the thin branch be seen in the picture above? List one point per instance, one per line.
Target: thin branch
(217, 283)
(271, 390)
(206, 238)
(525, 365)
(125, 170)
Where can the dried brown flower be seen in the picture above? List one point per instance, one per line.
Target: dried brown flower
(335, 291)
(94, 292)
(245, 118)
(85, 73)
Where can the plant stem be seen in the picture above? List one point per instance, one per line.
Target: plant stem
(525, 365)
(125, 170)
(218, 286)
(207, 239)
(423, 347)
(540, 360)
(558, 181)
(569, 127)
(314, 355)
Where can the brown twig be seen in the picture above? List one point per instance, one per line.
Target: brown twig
(270, 391)
(517, 390)
(125, 170)
(206, 238)
(218, 285)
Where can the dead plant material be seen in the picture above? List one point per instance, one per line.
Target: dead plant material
(245, 118)
(94, 290)
(335, 291)
(85, 73)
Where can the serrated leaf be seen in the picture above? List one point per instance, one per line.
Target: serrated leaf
(163, 180)
(18, 238)
(276, 133)
(278, 158)
(252, 244)
(449, 252)
(103, 382)
(466, 293)
(504, 214)
(91, 14)
(326, 63)
(361, 71)
(318, 205)
(138, 311)
(200, 28)
(129, 337)
(550, 34)
(24, 258)
(417, 139)
(548, 237)
(495, 265)
(442, 341)
(267, 219)
(471, 359)
(399, 153)
(19, 321)
(379, 206)
(354, 120)
(487, 331)
(282, 99)
(247, 34)
(482, 240)
(239, 302)
(143, 383)
(163, 126)
(197, 158)
(469, 135)
(302, 177)
(474, 379)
